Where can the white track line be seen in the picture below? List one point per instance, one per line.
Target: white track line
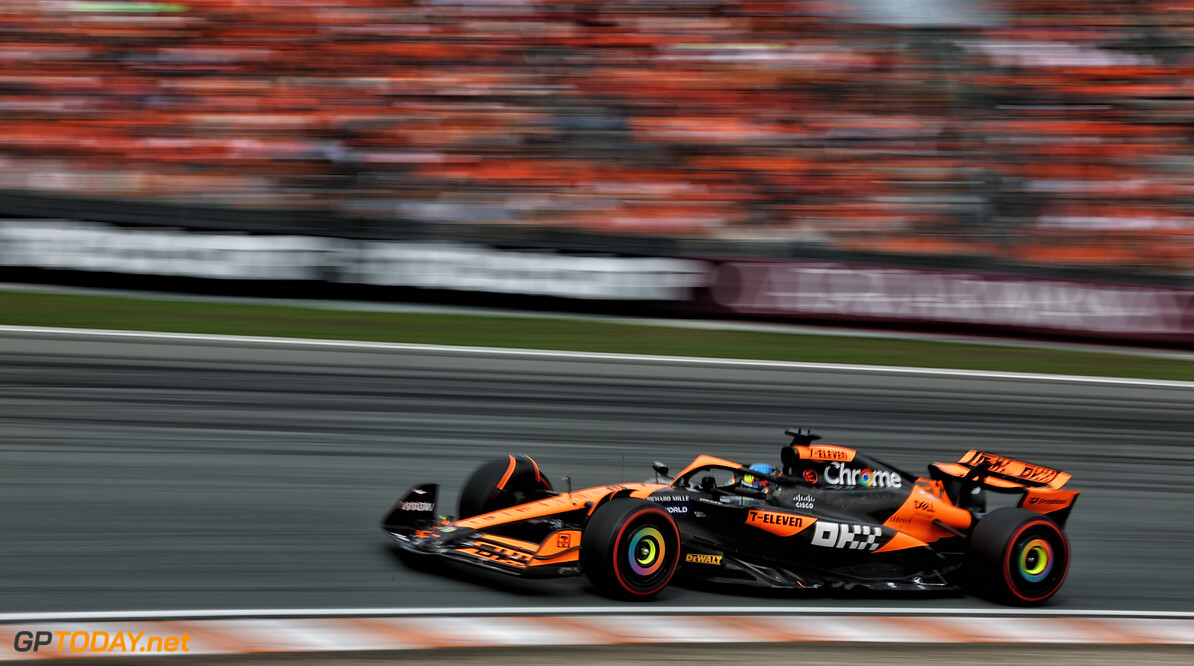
(630, 610)
(589, 356)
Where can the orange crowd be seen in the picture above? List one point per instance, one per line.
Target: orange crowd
(1049, 132)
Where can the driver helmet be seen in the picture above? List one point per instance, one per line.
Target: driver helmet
(756, 481)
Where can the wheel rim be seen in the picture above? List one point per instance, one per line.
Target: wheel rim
(1036, 562)
(647, 551)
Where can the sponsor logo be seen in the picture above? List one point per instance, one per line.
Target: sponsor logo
(670, 498)
(781, 524)
(564, 541)
(839, 475)
(700, 558)
(1039, 474)
(922, 505)
(1010, 467)
(804, 501)
(824, 453)
(418, 506)
(849, 537)
(768, 518)
(995, 463)
(676, 509)
(810, 475)
(1047, 500)
(813, 288)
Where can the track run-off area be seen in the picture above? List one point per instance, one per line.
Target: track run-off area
(229, 489)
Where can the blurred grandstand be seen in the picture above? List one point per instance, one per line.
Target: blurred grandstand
(1034, 133)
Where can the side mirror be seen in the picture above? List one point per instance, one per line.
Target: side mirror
(660, 469)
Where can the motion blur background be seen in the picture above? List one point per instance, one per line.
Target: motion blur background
(1040, 141)
(1027, 136)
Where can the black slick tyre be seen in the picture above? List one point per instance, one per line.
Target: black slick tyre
(1017, 557)
(630, 548)
(501, 483)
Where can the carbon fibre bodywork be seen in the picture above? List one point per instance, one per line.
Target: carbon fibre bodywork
(831, 517)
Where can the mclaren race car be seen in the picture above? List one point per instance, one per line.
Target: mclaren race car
(827, 517)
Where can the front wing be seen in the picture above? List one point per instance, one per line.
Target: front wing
(557, 555)
(540, 539)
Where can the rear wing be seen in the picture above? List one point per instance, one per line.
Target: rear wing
(1039, 487)
(1002, 473)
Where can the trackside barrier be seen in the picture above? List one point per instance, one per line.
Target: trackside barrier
(783, 290)
(108, 638)
(916, 297)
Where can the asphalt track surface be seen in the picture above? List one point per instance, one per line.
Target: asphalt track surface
(143, 474)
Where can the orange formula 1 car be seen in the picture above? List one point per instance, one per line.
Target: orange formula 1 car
(829, 517)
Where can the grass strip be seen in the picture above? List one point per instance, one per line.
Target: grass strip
(19, 308)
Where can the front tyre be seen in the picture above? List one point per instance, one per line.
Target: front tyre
(1018, 557)
(502, 483)
(630, 548)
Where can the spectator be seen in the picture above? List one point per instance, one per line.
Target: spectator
(1055, 142)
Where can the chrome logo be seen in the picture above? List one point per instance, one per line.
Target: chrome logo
(866, 478)
(1036, 560)
(838, 474)
(646, 551)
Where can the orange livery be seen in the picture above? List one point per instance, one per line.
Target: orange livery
(825, 517)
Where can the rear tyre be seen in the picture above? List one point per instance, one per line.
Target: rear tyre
(1018, 557)
(630, 548)
(502, 483)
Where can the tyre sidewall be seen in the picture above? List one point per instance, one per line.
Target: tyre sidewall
(1018, 556)
(628, 534)
(501, 483)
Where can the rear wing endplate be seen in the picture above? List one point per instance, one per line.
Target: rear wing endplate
(1038, 488)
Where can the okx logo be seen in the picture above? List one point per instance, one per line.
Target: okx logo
(851, 537)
